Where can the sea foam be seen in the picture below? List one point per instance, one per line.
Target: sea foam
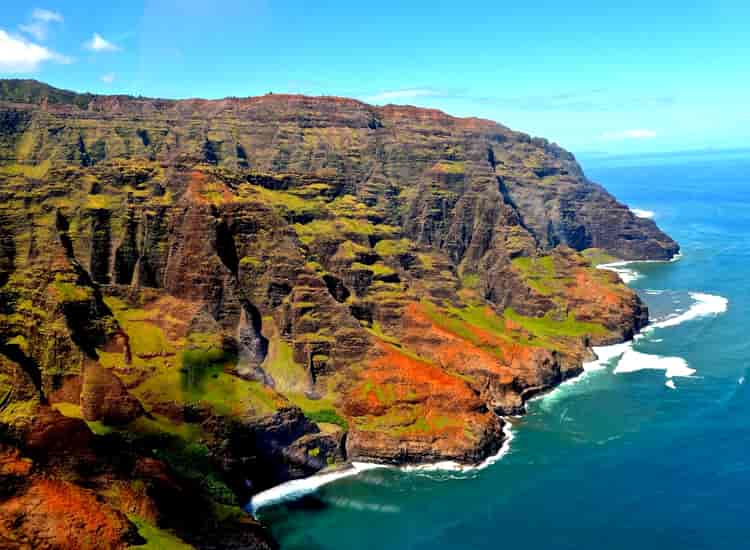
(629, 274)
(633, 361)
(452, 466)
(704, 305)
(297, 488)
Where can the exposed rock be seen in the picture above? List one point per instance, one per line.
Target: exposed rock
(104, 398)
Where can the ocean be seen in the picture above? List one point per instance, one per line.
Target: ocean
(648, 449)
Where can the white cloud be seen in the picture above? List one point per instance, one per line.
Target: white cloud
(108, 78)
(39, 25)
(37, 29)
(637, 133)
(18, 55)
(46, 15)
(99, 44)
(402, 94)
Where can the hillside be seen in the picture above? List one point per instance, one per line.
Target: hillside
(202, 298)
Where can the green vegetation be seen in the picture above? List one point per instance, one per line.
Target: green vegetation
(393, 247)
(286, 203)
(548, 327)
(449, 167)
(378, 269)
(327, 416)
(146, 338)
(193, 461)
(597, 256)
(157, 539)
(70, 292)
(341, 228)
(74, 411)
(540, 273)
(288, 375)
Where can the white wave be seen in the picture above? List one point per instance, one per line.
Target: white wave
(639, 213)
(296, 488)
(670, 384)
(633, 361)
(452, 466)
(628, 275)
(604, 354)
(704, 305)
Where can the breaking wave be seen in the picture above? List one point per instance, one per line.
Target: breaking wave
(704, 305)
(633, 361)
(297, 488)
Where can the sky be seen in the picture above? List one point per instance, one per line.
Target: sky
(594, 76)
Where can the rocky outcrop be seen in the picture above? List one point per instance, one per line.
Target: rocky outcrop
(104, 398)
(235, 293)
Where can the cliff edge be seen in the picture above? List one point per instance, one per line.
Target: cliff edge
(212, 297)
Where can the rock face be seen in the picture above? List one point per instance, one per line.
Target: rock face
(104, 398)
(245, 291)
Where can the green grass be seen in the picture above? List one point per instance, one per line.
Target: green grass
(286, 202)
(540, 273)
(392, 247)
(327, 416)
(226, 394)
(549, 327)
(69, 292)
(449, 167)
(146, 338)
(597, 256)
(341, 227)
(288, 375)
(426, 260)
(28, 170)
(377, 269)
(470, 280)
(157, 539)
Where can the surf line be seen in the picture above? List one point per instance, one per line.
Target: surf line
(296, 488)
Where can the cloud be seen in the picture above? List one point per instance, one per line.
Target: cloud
(108, 78)
(593, 100)
(39, 25)
(18, 55)
(99, 44)
(596, 100)
(46, 15)
(403, 94)
(638, 133)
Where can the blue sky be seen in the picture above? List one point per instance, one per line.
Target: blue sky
(595, 76)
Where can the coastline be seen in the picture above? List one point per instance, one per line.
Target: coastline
(297, 488)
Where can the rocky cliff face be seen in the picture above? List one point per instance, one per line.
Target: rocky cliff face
(245, 291)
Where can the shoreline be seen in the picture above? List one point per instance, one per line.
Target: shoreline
(297, 488)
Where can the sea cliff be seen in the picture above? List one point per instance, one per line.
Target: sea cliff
(203, 298)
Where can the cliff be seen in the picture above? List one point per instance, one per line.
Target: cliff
(217, 296)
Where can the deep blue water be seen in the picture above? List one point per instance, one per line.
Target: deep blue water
(612, 460)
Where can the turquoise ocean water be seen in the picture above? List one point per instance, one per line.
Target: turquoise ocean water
(615, 459)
